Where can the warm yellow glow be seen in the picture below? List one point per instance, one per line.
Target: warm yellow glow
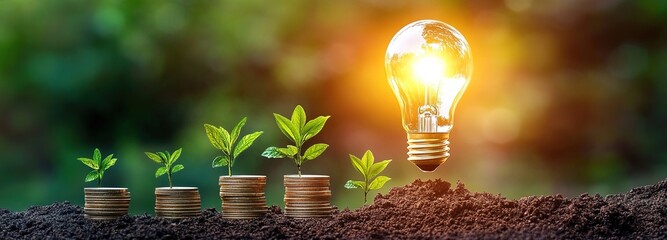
(429, 69)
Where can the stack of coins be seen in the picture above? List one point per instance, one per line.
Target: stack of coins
(177, 202)
(106, 203)
(307, 196)
(243, 196)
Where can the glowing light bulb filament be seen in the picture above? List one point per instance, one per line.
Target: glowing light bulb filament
(430, 71)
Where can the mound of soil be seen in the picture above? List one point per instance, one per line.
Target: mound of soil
(423, 209)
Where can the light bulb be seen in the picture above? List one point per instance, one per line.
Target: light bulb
(428, 65)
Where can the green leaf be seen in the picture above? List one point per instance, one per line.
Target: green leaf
(315, 151)
(177, 168)
(175, 156)
(377, 168)
(160, 171)
(293, 149)
(368, 160)
(351, 184)
(226, 140)
(89, 162)
(154, 157)
(92, 176)
(220, 161)
(214, 136)
(313, 127)
(97, 156)
(105, 161)
(245, 143)
(288, 151)
(356, 162)
(163, 157)
(236, 132)
(299, 118)
(272, 152)
(287, 128)
(378, 182)
(108, 162)
(111, 163)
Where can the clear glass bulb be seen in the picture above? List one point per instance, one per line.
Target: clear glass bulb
(428, 65)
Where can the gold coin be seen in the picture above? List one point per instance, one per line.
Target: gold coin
(306, 189)
(312, 198)
(106, 190)
(241, 190)
(107, 205)
(244, 204)
(107, 202)
(183, 211)
(242, 198)
(243, 182)
(178, 205)
(165, 211)
(308, 210)
(306, 183)
(243, 194)
(309, 192)
(241, 177)
(177, 190)
(182, 196)
(177, 199)
(176, 214)
(309, 204)
(113, 208)
(305, 213)
(107, 199)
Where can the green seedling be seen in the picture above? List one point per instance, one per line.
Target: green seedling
(370, 171)
(226, 142)
(98, 165)
(168, 160)
(298, 131)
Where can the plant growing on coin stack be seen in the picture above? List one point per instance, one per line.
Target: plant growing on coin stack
(242, 196)
(225, 141)
(174, 202)
(298, 130)
(370, 170)
(103, 203)
(306, 196)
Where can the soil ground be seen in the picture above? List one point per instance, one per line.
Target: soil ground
(422, 210)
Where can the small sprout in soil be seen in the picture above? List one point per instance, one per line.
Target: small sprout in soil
(226, 142)
(98, 165)
(369, 170)
(168, 160)
(298, 131)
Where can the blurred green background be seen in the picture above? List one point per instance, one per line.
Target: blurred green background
(566, 96)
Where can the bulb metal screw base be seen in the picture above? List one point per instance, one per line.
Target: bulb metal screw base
(428, 150)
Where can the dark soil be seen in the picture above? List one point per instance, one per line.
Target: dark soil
(423, 209)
